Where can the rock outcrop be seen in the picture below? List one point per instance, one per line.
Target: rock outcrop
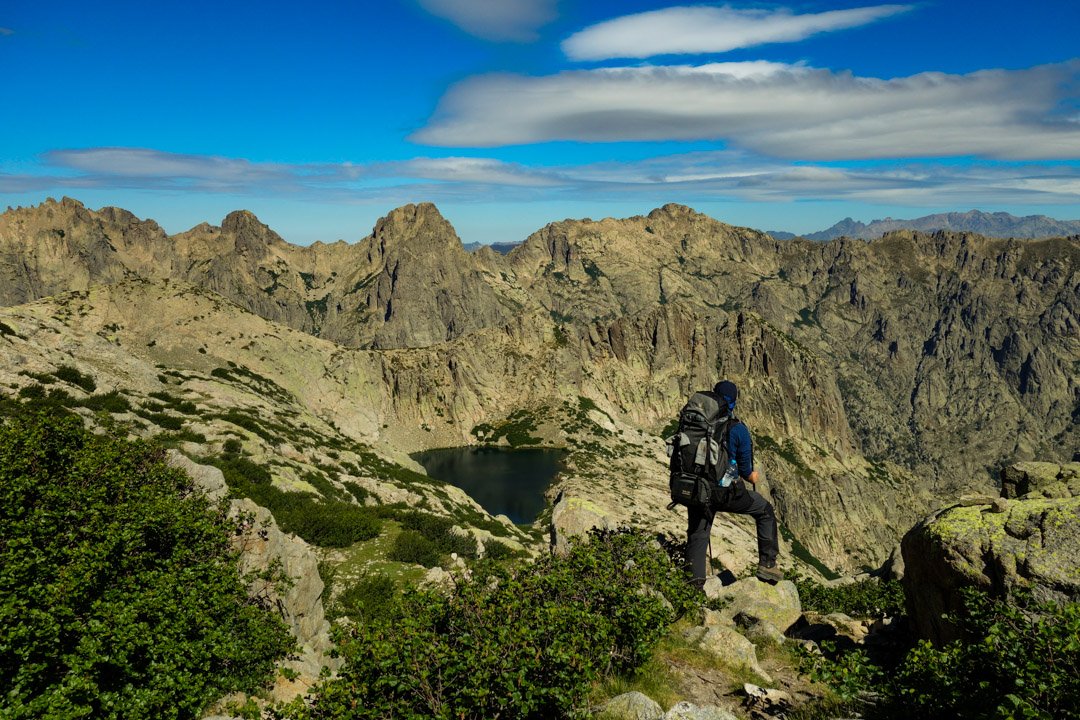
(1033, 544)
(265, 548)
(1041, 479)
(631, 706)
(752, 600)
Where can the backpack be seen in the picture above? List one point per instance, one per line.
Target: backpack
(699, 451)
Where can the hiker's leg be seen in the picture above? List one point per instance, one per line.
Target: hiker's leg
(698, 527)
(753, 504)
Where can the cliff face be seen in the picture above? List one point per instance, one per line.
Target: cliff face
(874, 376)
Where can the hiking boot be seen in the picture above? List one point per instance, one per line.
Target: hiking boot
(768, 572)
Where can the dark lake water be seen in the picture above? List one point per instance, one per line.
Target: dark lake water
(504, 482)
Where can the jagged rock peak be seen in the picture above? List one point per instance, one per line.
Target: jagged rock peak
(676, 211)
(251, 233)
(420, 213)
(120, 216)
(421, 224)
(66, 202)
(241, 220)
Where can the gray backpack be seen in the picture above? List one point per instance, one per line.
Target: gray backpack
(699, 451)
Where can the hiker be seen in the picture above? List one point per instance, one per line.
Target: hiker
(738, 498)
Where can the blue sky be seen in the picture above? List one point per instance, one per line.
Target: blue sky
(322, 117)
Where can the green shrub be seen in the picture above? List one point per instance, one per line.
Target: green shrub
(168, 422)
(112, 402)
(866, 598)
(357, 491)
(411, 547)
(850, 675)
(495, 550)
(174, 439)
(1013, 660)
(70, 374)
(372, 598)
(174, 403)
(437, 530)
(32, 391)
(232, 446)
(119, 592)
(327, 524)
(525, 644)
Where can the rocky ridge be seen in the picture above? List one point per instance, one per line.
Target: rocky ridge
(876, 376)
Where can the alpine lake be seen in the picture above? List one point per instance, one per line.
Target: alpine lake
(503, 481)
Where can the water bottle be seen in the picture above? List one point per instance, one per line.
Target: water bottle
(730, 475)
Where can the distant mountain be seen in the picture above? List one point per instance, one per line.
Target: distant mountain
(501, 248)
(998, 224)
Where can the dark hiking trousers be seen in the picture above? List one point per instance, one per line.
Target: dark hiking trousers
(745, 502)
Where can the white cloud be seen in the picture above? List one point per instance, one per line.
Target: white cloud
(691, 178)
(501, 20)
(785, 111)
(6, 31)
(483, 171)
(703, 29)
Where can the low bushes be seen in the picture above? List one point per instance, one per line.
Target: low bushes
(370, 599)
(412, 547)
(865, 598)
(521, 644)
(1015, 659)
(326, 522)
(119, 593)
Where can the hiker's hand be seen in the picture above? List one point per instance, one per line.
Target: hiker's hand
(753, 478)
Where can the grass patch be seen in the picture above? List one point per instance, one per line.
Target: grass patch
(785, 452)
(516, 430)
(801, 552)
(174, 403)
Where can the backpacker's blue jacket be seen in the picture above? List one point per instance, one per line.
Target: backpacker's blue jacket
(741, 448)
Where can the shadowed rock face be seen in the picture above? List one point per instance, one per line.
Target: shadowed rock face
(874, 376)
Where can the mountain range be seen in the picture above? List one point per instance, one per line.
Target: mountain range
(879, 379)
(998, 224)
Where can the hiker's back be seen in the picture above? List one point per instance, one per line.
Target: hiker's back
(698, 449)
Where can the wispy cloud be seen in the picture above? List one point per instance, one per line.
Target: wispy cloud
(786, 111)
(690, 177)
(703, 29)
(145, 168)
(6, 31)
(499, 20)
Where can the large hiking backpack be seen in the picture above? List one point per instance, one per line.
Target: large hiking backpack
(699, 451)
